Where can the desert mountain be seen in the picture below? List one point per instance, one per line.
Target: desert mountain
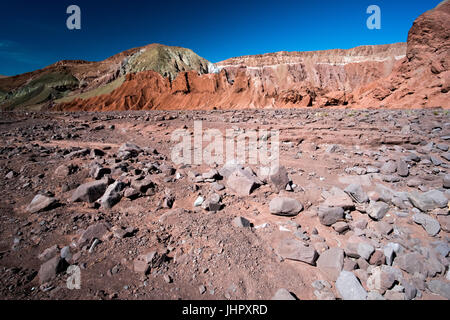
(77, 77)
(412, 74)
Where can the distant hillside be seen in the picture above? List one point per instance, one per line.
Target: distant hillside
(67, 80)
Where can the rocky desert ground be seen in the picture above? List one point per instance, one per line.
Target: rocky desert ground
(357, 208)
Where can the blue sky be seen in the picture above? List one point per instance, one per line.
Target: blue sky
(33, 34)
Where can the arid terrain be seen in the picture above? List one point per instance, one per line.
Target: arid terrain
(358, 207)
(415, 74)
(95, 206)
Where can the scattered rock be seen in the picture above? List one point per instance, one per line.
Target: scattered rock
(285, 206)
(349, 287)
(295, 250)
(330, 215)
(112, 195)
(240, 222)
(51, 268)
(283, 294)
(356, 192)
(338, 198)
(331, 262)
(439, 287)
(431, 225)
(41, 203)
(91, 191)
(377, 210)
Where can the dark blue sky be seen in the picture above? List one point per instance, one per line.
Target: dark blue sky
(33, 34)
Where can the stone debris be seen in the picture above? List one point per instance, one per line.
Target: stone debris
(283, 206)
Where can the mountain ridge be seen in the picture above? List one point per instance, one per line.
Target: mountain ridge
(405, 75)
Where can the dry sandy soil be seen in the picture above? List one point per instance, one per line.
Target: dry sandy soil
(394, 242)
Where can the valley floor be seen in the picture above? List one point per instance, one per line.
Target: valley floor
(389, 229)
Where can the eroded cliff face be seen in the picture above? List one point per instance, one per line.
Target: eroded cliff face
(276, 80)
(328, 69)
(422, 79)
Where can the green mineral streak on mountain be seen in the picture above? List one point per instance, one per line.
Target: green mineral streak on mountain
(46, 87)
(67, 80)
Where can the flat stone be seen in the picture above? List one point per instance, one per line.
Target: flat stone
(211, 174)
(388, 167)
(340, 226)
(283, 206)
(295, 250)
(338, 198)
(444, 221)
(241, 182)
(446, 156)
(430, 224)
(385, 194)
(429, 200)
(96, 231)
(394, 295)
(383, 228)
(377, 210)
(349, 287)
(142, 184)
(330, 215)
(49, 253)
(128, 150)
(411, 262)
(356, 192)
(390, 178)
(331, 262)
(144, 262)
